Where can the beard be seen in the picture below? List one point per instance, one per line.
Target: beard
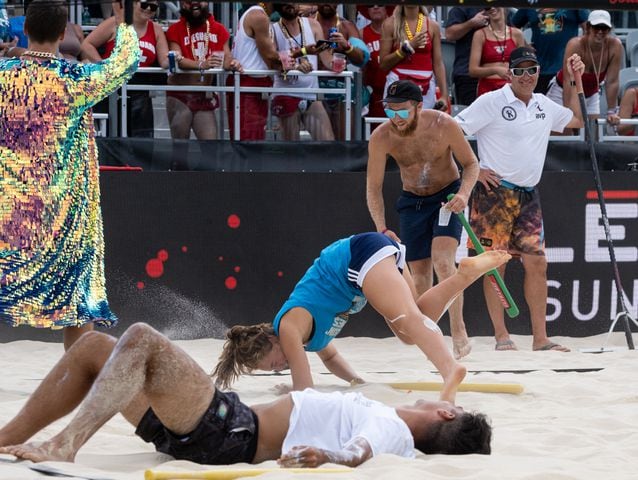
(409, 130)
(195, 20)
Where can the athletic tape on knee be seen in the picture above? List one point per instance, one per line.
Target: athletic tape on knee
(429, 323)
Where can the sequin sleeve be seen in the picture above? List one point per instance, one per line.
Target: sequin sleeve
(98, 80)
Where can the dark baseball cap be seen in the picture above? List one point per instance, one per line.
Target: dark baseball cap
(403, 91)
(522, 54)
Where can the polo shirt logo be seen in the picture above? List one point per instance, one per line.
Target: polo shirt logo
(508, 113)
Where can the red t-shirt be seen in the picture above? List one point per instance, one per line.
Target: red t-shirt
(193, 47)
(147, 44)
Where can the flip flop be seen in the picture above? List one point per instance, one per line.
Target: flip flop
(552, 346)
(505, 345)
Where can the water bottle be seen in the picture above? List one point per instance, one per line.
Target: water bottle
(86, 16)
(172, 64)
(6, 35)
(330, 32)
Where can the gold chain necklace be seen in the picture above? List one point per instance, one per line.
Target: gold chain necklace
(35, 53)
(419, 26)
(206, 40)
(600, 63)
(503, 45)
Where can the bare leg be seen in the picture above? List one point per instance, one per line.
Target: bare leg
(180, 118)
(62, 389)
(535, 287)
(497, 314)
(390, 295)
(205, 125)
(291, 126)
(422, 275)
(443, 259)
(143, 362)
(71, 334)
(317, 122)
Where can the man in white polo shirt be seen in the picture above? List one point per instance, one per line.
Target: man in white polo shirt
(512, 127)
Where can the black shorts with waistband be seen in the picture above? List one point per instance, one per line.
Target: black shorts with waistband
(227, 433)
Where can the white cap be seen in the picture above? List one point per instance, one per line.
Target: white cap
(599, 17)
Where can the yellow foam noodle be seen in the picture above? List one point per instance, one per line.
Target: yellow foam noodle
(232, 473)
(512, 388)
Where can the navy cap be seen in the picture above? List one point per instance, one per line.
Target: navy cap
(522, 54)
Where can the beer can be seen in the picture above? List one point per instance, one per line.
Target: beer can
(172, 64)
(332, 31)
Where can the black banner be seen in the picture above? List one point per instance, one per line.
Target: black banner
(194, 252)
(569, 4)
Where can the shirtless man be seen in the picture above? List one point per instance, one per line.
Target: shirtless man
(174, 404)
(422, 144)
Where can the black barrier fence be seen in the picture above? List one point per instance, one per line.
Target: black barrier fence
(194, 252)
(224, 156)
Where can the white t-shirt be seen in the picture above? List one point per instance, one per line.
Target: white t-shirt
(512, 137)
(333, 421)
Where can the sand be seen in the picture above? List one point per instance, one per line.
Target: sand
(566, 425)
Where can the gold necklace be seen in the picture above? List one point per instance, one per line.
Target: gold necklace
(593, 65)
(206, 40)
(419, 26)
(37, 54)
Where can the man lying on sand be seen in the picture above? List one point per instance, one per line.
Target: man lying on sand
(174, 404)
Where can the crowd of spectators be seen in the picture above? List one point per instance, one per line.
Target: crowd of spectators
(384, 42)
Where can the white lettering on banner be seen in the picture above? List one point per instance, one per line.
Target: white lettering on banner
(595, 251)
(592, 300)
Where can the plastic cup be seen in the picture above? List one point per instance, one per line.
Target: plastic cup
(219, 54)
(338, 62)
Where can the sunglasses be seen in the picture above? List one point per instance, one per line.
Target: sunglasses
(149, 6)
(519, 72)
(601, 28)
(393, 113)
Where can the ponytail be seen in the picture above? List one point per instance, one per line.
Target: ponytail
(245, 346)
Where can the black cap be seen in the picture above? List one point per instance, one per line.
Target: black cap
(522, 54)
(403, 91)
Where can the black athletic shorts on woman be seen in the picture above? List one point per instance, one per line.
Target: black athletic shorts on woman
(227, 433)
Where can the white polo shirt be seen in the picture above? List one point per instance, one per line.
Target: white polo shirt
(512, 137)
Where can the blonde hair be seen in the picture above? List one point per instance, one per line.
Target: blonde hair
(245, 346)
(399, 20)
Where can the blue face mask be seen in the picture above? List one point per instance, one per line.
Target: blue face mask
(393, 113)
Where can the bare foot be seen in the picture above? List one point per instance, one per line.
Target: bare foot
(461, 348)
(474, 267)
(451, 382)
(40, 452)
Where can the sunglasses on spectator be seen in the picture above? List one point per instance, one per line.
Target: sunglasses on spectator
(601, 28)
(519, 72)
(147, 5)
(393, 113)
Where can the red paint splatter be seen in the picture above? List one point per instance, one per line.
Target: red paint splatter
(184, 248)
(154, 268)
(237, 269)
(162, 255)
(140, 285)
(233, 221)
(280, 274)
(231, 283)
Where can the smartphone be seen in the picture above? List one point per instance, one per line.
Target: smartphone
(323, 45)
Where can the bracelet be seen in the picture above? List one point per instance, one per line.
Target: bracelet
(350, 49)
(399, 53)
(613, 111)
(572, 83)
(304, 52)
(384, 230)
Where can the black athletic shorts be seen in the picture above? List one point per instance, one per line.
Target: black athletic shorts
(227, 433)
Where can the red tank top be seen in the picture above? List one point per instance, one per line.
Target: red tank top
(495, 51)
(147, 43)
(422, 57)
(372, 73)
(590, 84)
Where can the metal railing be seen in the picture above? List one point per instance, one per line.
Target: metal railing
(237, 90)
(603, 136)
